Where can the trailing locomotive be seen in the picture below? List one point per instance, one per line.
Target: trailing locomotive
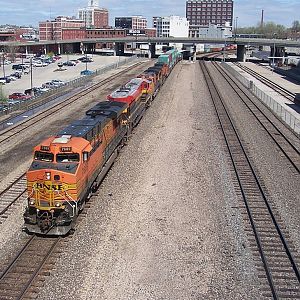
(68, 167)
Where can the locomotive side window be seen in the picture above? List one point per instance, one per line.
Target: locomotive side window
(85, 156)
(43, 156)
(67, 157)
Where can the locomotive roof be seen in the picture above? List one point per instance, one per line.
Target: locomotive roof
(110, 109)
(128, 89)
(77, 129)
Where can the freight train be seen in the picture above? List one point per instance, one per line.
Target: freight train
(68, 167)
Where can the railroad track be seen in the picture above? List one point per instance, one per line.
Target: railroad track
(277, 264)
(13, 194)
(18, 128)
(279, 89)
(17, 279)
(290, 151)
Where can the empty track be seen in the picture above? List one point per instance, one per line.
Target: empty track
(277, 255)
(279, 89)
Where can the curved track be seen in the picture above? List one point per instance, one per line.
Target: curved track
(290, 150)
(277, 255)
(279, 89)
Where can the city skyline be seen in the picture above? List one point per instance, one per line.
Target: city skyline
(248, 12)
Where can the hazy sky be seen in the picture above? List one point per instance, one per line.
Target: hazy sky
(30, 12)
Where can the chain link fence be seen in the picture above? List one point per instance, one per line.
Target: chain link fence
(57, 92)
(276, 107)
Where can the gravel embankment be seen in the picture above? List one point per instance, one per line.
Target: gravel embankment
(165, 224)
(281, 181)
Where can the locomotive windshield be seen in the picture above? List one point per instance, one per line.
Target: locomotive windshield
(43, 156)
(67, 157)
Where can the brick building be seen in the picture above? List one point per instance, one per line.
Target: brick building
(60, 28)
(93, 16)
(205, 12)
(135, 22)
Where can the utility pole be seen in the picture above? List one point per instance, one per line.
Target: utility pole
(31, 74)
(3, 59)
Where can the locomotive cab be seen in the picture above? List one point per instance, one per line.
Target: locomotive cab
(52, 183)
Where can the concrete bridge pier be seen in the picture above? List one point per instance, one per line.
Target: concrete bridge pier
(240, 53)
(81, 48)
(151, 51)
(278, 53)
(119, 49)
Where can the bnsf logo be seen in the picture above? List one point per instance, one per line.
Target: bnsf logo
(49, 187)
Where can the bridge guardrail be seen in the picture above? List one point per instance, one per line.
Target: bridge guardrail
(54, 93)
(272, 104)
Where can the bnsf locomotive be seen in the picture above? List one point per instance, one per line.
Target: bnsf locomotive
(68, 167)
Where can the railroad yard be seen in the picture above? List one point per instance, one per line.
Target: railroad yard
(201, 203)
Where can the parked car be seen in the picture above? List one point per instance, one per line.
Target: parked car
(7, 79)
(39, 64)
(39, 90)
(49, 85)
(76, 61)
(86, 72)
(58, 82)
(11, 78)
(86, 60)
(19, 96)
(69, 63)
(21, 68)
(2, 80)
(7, 62)
(16, 75)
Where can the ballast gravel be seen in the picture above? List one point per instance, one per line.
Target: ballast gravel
(279, 178)
(165, 223)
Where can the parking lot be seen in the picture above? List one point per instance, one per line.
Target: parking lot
(40, 75)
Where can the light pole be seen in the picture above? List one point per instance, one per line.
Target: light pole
(30, 74)
(3, 58)
(224, 48)
(274, 51)
(236, 26)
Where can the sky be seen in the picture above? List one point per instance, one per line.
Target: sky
(30, 12)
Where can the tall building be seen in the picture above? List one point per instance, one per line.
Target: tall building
(94, 16)
(172, 26)
(205, 12)
(134, 22)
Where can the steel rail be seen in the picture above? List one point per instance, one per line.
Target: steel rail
(274, 136)
(246, 175)
(279, 89)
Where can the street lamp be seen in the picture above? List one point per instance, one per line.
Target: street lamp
(30, 74)
(274, 51)
(236, 26)
(3, 59)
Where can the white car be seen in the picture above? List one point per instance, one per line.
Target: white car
(38, 64)
(12, 78)
(2, 81)
(58, 82)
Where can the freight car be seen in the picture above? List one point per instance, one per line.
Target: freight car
(68, 167)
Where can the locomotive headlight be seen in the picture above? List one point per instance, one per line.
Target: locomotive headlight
(31, 202)
(57, 204)
(48, 175)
